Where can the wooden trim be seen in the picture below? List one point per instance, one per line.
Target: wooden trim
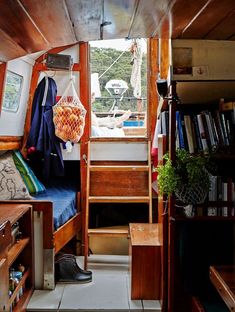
(10, 143)
(6, 146)
(3, 71)
(85, 99)
(118, 168)
(38, 66)
(150, 184)
(164, 58)
(122, 139)
(152, 93)
(108, 232)
(63, 235)
(33, 86)
(196, 305)
(53, 51)
(43, 67)
(119, 199)
(162, 219)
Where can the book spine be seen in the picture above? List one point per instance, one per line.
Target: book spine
(212, 196)
(189, 134)
(225, 198)
(202, 132)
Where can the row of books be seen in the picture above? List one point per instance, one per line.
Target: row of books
(198, 132)
(222, 193)
(203, 131)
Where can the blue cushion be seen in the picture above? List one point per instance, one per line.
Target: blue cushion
(32, 183)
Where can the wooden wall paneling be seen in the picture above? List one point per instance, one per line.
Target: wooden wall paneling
(3, 71)
(120, 16)
(53, 20)
(16, 23)
(210, 16)
(85, 99)
(86, 17)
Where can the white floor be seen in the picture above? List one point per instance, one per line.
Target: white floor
(109, 290)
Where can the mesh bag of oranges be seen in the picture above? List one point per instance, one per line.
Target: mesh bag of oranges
(69, 116)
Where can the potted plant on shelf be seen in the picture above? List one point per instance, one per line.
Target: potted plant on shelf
(187, 178)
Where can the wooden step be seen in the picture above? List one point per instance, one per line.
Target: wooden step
(123, 231)
(118, 168)
(119, 199)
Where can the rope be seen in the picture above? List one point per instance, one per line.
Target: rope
(112, 63)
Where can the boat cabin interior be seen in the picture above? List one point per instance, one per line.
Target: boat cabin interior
(117, 149)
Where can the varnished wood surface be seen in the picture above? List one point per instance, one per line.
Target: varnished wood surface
(12, 212)
(84, 156)
(5, 240)
(64, 234)
(106, 183)
(28, 26)
(145, 261)
(223, 278)
(10, 143)
(3, 71)
(145, 234)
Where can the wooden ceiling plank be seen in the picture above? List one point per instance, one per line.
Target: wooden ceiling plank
(9, 49)
(120, 14)
(177, 20)
(15, 22)
(225, 29)
(149, 14)
(53, 20)
(209, 18)
(86, 16)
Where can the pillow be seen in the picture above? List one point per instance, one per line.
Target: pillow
(32, 183)
(11, 184)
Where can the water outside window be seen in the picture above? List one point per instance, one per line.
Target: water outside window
(119, 88)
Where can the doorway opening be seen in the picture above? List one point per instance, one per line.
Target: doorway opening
(119, 88)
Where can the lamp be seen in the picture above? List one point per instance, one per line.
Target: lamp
(162, 87)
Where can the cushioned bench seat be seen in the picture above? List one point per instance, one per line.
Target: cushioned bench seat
(63, 195)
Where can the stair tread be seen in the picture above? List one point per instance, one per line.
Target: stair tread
(119, 168)
(122, 231)
(137, 199)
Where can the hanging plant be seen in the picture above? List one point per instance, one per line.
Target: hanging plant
(188, 178)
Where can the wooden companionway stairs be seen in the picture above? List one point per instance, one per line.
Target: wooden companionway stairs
(117, 181)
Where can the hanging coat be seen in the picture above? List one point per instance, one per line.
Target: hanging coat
(42, 132)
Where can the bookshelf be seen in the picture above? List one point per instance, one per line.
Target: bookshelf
(18, 270)
(193, 243)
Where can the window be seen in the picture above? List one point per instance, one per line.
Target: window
(119, 88)
(12, 92)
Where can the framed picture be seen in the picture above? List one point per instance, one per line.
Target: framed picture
(12, 92)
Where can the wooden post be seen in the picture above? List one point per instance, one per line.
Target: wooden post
(33, 86)
(85, 99)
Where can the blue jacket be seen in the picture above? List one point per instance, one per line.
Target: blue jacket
(42, 131)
